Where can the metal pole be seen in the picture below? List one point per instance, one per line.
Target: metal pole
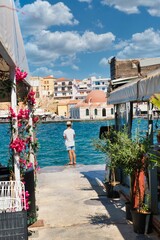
(153, 183)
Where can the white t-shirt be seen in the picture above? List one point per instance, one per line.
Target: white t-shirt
(69, 134)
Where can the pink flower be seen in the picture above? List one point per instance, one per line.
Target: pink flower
(29, 165)
(31, 98)
(20, 75)
(25, 195)
(23, 114)
(19, 124)
(12, 113)
(35, 119)
(18, 145)
(22, 161)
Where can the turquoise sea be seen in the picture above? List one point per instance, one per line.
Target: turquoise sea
(52, 151)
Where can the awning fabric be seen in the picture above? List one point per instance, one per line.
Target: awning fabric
(140, 89)
(12, 52)
(11, 42)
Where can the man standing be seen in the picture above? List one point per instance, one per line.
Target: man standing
(69, 135)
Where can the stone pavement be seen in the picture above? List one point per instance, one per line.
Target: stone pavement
(73, 206)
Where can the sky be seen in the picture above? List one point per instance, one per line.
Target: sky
(76, 39)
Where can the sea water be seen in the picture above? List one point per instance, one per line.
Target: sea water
(52, 150)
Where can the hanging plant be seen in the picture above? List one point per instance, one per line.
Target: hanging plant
(20, 75)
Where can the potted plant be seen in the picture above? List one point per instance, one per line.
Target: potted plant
(131, 155)
(107, 143)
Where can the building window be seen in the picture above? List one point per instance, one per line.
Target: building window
(55, 89)
(112, 111)
(70, 83)
(103, 112)
(97, 83)
(55, 83)
(63, 88)
(87, 112)
(95, 112)
(63, 83)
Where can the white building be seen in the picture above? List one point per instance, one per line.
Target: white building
(81, 88)
(99, 83)
(93, 107)
(63, 88)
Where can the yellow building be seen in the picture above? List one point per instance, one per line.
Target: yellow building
(64, 107)
(47, 86)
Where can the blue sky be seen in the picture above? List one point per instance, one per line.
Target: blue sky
(76, 38)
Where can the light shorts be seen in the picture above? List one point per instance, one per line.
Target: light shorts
(70, 148)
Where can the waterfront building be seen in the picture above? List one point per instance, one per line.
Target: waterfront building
(64, 106)
(63, 88)
(47, 86)
(99, 83)
(81, 88)
(93, 107)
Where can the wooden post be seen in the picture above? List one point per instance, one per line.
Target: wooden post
(153, 183)
(129, 116)
(14, 123)
(32, 134)
(116, 116)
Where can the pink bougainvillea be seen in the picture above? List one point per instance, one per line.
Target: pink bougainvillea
(18, 145)
(20, 75)
(31, 98)
(23, 114)
(25, 195)
(35, 119)
(12, 113)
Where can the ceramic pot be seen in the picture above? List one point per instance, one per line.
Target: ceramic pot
(142, 222)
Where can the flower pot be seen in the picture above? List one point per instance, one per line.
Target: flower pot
(128, 211)
(142, 222)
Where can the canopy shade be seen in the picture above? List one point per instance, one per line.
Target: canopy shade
(140, 89)
(12, 52)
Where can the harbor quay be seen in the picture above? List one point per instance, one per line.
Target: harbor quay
(73, 205)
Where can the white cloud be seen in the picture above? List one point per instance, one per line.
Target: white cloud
(99, 24)
(75, 67)
(41, 15)
(103, 62)
(51, 46)
(44, 71)
(87, 1)
(145, 44)
(132, 7)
